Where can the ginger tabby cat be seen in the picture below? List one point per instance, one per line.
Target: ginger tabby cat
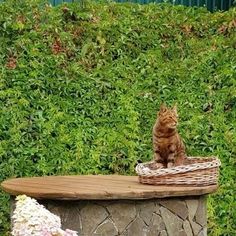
(169, 150)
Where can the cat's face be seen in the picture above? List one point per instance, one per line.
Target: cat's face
(168, 118)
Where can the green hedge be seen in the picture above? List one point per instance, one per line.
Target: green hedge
(80, 87)
(211, 5)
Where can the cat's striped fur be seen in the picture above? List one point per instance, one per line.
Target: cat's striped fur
(168, 147)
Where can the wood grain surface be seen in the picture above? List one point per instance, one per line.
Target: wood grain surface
(91, 187)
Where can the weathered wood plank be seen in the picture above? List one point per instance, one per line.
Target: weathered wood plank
(96, 187)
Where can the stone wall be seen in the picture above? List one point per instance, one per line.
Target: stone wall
(159, 217)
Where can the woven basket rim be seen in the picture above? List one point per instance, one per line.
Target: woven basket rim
(209, 162)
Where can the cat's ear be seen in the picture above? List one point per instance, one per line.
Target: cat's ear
(174, 109)
(163, 108)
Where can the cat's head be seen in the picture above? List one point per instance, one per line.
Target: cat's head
(168, 117)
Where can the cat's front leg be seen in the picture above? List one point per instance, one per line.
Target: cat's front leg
(180, 158)
(158, 160)
(171, 160)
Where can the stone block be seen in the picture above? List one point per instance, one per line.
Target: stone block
(69, 214)
(187, 228)
(92, 215)
(203, 232)
(157, 225)
(107, 228)
(172, 222)
(181, 233)
(192, 207)
(162, 233)
(178, 207)
(201, 213)
(196, 228)
(146, 209)
(122, 213)
(137, 228)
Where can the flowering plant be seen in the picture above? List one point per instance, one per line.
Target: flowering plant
(32, 219)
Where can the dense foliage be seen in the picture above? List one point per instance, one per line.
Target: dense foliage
(81, 85)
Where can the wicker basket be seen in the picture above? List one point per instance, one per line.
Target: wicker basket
(196, 171)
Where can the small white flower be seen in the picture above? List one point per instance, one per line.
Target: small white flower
(32, 219)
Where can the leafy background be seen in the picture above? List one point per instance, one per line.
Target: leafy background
(81, 85)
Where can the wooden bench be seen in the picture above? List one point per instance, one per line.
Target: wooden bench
(118, 205)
